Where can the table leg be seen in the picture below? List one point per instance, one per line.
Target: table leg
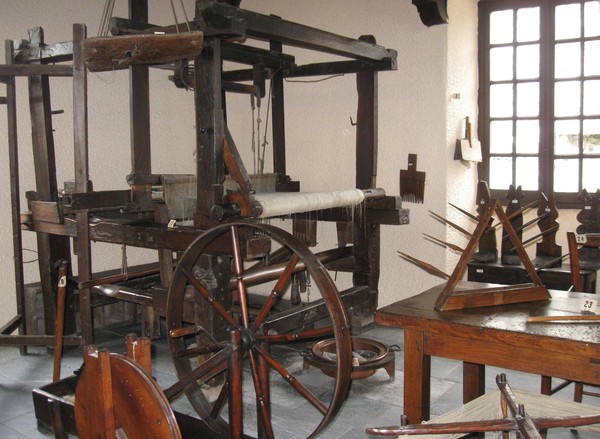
(473, 381)
(417, 377)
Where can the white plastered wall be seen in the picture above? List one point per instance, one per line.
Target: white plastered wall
(417, 114)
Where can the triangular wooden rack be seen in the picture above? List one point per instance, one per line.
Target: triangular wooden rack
(450, 298)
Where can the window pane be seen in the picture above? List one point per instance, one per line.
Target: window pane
(528, 99)
(500, 172)
(528, 61)
(501, 100)
(501, 137)
(591, 137)
(501, 27)
(566, 137)
(527, 173)
(566, 175)
(567, 22)
(567, 60)
(591, 170)
(591, 97)
(566, 98)
(528, 24)
(501, 63)
(528, 137)
(592, 19)
(591, 60)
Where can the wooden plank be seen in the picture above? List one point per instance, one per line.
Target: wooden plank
(49, 53)
(100, 199)
(114, 53)
(220, 16)
(35, 69)
(45, 211)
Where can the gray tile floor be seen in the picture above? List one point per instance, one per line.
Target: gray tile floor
(373, 401)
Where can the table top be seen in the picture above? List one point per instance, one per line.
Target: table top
(503, 324)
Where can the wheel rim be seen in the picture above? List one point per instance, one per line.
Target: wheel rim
(246, 350)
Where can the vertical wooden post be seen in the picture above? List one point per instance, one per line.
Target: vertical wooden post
(366, 236)
(139, 110)
(51, 248)
(81, 162)
(15, 200)
(209, 131)
(278, 119)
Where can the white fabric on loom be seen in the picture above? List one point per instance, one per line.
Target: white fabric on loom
(279, 203)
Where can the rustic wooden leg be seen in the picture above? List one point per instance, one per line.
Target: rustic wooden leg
(60, 318)
(57, 424)
(234, 378)
(473, 381)
(546, 385)
(417, 377)
(578, 397)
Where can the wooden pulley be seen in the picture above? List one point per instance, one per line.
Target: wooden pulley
(117, 398)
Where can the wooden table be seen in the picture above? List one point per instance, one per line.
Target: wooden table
(496, 336)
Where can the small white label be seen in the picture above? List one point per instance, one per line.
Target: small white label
(172, 224)
(589, 305)
(547, 209)
(580, 239)
(62, 282)
(479, 270)
(514, 201)
(587, 207)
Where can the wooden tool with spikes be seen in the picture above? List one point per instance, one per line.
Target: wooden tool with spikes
(412, 182)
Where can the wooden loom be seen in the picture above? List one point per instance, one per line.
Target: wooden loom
(225, 250)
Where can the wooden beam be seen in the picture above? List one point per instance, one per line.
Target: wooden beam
(114, 53)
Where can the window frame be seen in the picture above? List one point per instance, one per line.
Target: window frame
(546, 95)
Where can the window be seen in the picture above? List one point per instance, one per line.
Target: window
(539, 103)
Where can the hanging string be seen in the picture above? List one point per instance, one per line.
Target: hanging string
(187, 21)
(265, 142)
(109, 6)
(254, 158)
(175, 16)
(124, 259)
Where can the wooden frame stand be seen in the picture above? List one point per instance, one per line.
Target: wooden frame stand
(450, 298)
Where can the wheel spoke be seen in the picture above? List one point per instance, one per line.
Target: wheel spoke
(239, 274)
(207, 370)
(201, 350)
(220, 402)
(209, 297)
(291, 379)
(296, 336)
(260, 398)
(277, 291)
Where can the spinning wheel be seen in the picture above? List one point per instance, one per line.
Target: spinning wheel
(249, 329)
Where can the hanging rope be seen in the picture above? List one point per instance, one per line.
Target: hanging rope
(109, 6)
(187, 21)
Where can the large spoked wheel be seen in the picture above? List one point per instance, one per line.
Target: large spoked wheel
(231, 345)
